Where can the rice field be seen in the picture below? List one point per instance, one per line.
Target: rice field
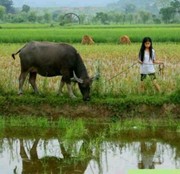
(19, 33)
(113, 62)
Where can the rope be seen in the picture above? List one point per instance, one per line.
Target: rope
(123, 71)
(161, 70)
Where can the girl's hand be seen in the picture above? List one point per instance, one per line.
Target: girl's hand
(158, 62)
(139, 61)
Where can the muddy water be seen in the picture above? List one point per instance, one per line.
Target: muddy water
(53, 154)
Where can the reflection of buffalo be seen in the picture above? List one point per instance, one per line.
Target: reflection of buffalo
(87, 40)
(124, 40)
(53, 165)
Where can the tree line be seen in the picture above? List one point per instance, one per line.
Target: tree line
(168, 14)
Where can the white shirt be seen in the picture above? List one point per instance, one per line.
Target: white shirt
(147, 67)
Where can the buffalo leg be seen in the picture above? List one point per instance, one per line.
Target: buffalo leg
(32, 81)
(69, 87)
(22, 78)
(60, 92)
(70, 92)
(66, 79)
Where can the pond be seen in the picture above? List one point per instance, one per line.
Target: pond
(52, 153)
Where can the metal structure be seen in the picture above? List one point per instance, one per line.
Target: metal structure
(70, 18)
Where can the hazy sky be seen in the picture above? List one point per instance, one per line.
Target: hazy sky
(61, 3)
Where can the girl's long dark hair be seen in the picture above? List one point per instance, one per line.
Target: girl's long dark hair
(142, 49)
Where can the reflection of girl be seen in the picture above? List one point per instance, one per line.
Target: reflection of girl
(147, 60)
(148, 151)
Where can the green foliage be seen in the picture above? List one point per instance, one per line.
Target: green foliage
(2, 11)
(27, 121)
(2, 123)
(76, 129)
(137, 124)
(69, 129)
(25, 8)
(8, 4)
(175, 96)
(169, 13)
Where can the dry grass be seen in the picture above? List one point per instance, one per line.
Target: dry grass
(111, 60)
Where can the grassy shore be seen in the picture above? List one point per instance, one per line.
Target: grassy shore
(100, 108)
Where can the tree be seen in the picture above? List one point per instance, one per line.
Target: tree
(102, 17)
(25, 8)
(156, 20)
(47, 17)
(162, 3)
(116, 17)
(145, 16)
(8, 4)
(130, 8)
(176, 6)
(32, 17)
(20, 17)
(2, 11)
(168, 14)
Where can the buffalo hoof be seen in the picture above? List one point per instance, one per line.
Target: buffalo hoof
(60, 94)
(73, 97)
(86, 99)
(20, 94)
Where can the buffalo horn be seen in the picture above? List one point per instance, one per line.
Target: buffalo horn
(79, 80)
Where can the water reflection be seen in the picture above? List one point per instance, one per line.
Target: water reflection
(147, 153)
(18, 155)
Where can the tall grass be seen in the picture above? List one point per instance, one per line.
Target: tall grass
(111, 59)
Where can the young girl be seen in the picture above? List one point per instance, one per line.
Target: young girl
(147, 61)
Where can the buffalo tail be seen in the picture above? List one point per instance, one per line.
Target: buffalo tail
(13, 55)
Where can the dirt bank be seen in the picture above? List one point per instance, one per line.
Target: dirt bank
(94, 111)
(55, 107)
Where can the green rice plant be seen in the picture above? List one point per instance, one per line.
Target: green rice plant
(2, 123)
(139, 124)
(63, 123)
(76, 129)
(27, 121)
(99, 33)
(175, 96)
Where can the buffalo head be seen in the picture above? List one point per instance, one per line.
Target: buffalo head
(84, 85)
(85, 88)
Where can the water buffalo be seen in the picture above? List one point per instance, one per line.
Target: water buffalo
(53, 59)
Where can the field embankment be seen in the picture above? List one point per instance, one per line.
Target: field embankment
(53, 107)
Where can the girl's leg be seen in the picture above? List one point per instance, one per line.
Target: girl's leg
(142, 87)
(156, 85)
